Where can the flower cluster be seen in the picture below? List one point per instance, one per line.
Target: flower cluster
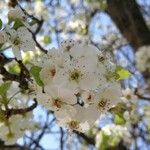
(129, 96)
(113, 134)
(13, 126)
(79, 83)
(129, 100)
(17, 33)
(143, 58)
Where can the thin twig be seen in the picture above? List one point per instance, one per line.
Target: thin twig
(21, 111)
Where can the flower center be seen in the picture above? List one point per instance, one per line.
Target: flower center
(89, 97)
(103, 104)
(53, 72)
(128, 96)
(73, 124)
(75, 75)
(57, 103)
(68, 47)
(16, 41)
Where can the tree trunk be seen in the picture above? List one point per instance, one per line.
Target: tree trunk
(129, 20)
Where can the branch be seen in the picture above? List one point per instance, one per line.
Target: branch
(12, 77)
(40, 24)
(20, 111)
(37, 43)
(24, 71)
(61, 139)
(89, 140)
(141, 96)
(13, 147)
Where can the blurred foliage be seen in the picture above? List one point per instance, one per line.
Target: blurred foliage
(4, 88)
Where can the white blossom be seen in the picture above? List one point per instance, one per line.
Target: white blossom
(56, 99)
(107, 97)
(143, 58)
(112, 130)
(128, 96)
(20, 40)
(89, 114)
(77, 76)
(14, 127)
(16, 13)
(73, 124)
(3, 37)
(79, 84)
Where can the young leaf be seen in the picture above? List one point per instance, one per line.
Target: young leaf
(1, 24)
(119, 120)
(104, 143)
(14, 68)
(35, 71)
(26, 58)
(4, 88)
(18, 23)
(47, 39)
(122, 73)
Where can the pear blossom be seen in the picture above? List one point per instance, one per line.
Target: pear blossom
(78, 80)
(41, 10)
(119, 132)
(89, 114)
(79, 84)
(48, 73)
(128, 95)
(53, 56)
(82, 49)
(62, 96)
(14, 127)
(107, 97)
(16, 13)
(67, 45)
(143, 58)
(72, 124)
(77, 76)
(55, 99)
(87, 97)
(20, 40)
(3, 37)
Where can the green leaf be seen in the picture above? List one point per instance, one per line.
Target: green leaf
(26, 58)
(18, 23)
(120, 108)
(122, 73)
(14, 68)
(107, 141)
(119, 120)
(1, 24)
(104, 143)
(47, 39)
(35, 71)
(4, 88)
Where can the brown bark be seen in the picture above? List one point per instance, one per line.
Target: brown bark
(11, 147)
(129, 20)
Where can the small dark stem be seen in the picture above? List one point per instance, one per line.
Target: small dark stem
(21, 111)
